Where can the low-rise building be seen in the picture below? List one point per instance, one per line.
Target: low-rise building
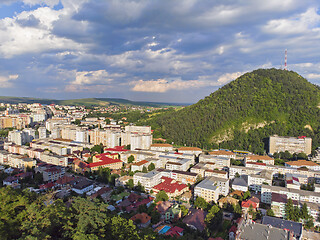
(256, 180)
(172, 187)
(240, 184)
(161, 147)
(303, 163)
(257, 158)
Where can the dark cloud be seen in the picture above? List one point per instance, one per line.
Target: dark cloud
(192, 44)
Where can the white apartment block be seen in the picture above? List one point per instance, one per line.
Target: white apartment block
(207, 189)
(42, 132)
(152, 178)
(21, 137)
(39, 117)
(255, 181)
(148, 180)
(290, 144)
(257, 158)
(220, 161)
(294, 194)
(223, 153)
(161, 147)
(242, 171)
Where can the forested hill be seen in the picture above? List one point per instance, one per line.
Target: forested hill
(243, 113)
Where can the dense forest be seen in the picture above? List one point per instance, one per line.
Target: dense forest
(245, 112)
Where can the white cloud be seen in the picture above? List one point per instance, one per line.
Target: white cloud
(313, 76)
(16, 39)
(302, 23)
(90, 77)
(227, 77)
(163, 85)
(6, 81)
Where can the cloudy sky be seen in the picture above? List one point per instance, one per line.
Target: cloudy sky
(153, 50)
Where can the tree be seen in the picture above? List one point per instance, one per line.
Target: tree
(77, 122)
(304, 212)
(252, 212)
(130, 183)
(246, 195)
(151, 167)
(310, 223)
(289, 210)
(237, 175)
(237, 209)
(144, 169)
(302, 156)
(97, 148)
(270, 213)
(184, 210)
(200, 203)
(131, 159)
(161, 196)
(214, 218)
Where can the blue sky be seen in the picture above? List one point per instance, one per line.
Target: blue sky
(156, 50)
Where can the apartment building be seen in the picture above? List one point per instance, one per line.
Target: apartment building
(219, 161)
(181, 176)
(294, 194)
(161, 147)
(148, 180)
(255, 181)
(190, 150)
(290, 144)
(257, 158)
(20, 161)
(207, 189)
(21, 137)
(303, 163)
(50, 172)
(242, 171)
(223, 153)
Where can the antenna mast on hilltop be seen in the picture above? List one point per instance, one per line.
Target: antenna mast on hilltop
(285, 60)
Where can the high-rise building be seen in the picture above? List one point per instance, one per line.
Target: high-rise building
(290, 144)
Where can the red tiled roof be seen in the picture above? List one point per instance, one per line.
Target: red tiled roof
(221, 152)
(246, 204)
(47, 186)
(189, 149)
(175, 232)
(116, 149)
(64, 180)
(168, 186)
(105, 161)
(140, 163)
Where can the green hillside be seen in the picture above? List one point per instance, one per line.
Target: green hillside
(84, 101)
(243, 113)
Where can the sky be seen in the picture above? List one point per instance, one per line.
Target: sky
(156, 50)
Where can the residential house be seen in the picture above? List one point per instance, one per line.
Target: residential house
(196, 219)
(141, 219)
(227, 200)
(172, 187)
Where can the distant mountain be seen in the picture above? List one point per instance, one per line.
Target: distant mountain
(85, 101)
(243, 113)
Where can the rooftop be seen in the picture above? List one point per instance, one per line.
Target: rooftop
(283, 224)
(302, 163)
